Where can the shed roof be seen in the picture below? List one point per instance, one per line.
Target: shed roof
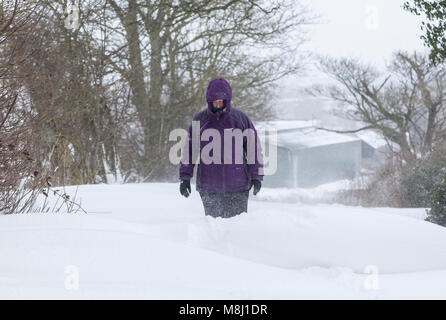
(310, 138)
(372, 138)
(284, 125)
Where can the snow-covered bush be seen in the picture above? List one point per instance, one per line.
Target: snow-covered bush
(376, 190)
(394, 186)
(419, 180)
(437, 213)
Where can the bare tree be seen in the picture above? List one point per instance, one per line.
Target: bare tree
(406, 104)
(70, 88)
(109, 91)
(169, 50)
(20, 176)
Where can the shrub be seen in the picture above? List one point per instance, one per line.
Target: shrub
(437, 213)
(417, 181)
(409, 186)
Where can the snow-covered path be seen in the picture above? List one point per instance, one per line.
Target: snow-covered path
(146, 241)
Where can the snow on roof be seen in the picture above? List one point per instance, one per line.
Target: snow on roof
(310, 138)
(284, 125)
(372, 138)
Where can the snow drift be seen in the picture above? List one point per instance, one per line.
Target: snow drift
(146, 241)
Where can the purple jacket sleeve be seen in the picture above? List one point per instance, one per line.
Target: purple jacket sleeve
(186, 163)
(256, 168)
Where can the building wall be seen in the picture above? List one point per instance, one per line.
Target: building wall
(328, 163)
(285, 175)
(310, 167)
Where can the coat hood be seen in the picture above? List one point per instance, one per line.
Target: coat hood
(219, 88)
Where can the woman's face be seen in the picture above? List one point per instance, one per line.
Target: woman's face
(218, 103)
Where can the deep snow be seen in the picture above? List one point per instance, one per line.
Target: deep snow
(146, 241)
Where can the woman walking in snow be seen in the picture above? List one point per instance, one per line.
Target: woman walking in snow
(223, 185)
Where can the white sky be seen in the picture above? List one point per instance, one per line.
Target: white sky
(369, 29)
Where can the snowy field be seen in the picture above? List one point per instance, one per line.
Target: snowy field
(146, 241)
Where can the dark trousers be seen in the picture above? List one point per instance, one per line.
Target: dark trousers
(225, 204)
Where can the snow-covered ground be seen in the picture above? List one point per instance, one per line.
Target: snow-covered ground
(324, 193)
(146, 241)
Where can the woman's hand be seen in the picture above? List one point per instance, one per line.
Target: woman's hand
(257, 185)
(185, 189)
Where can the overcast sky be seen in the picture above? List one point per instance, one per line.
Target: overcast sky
(369, 29)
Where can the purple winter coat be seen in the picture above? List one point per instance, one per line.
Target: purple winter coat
(223, 177)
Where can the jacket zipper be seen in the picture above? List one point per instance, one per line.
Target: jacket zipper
(222, 164)
(224, 180)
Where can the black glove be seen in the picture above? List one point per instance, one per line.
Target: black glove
(185, 189)
(257, 185)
